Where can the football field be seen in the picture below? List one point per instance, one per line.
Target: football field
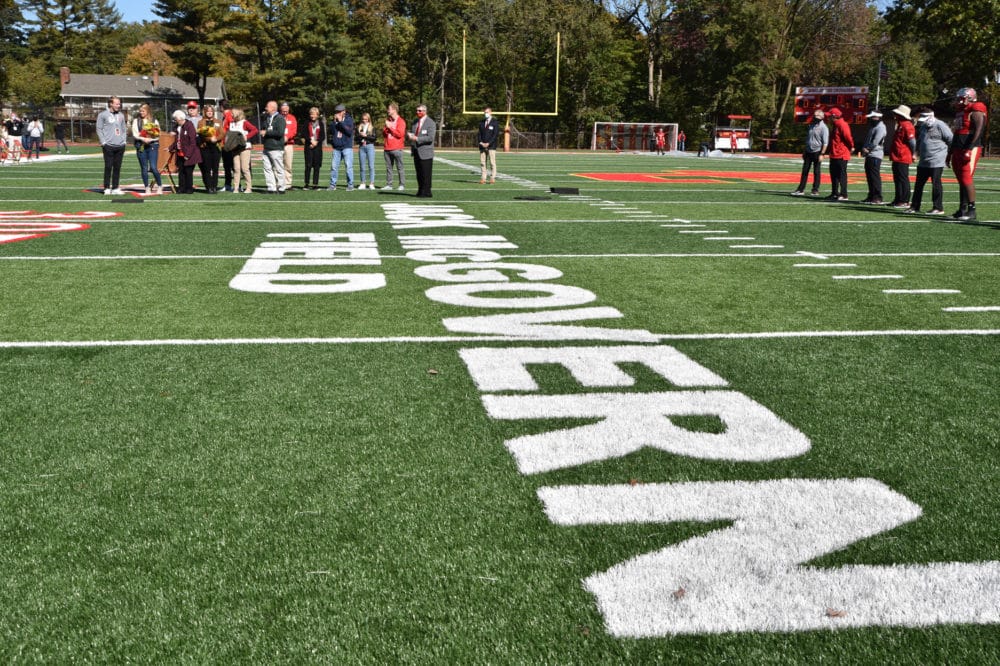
(611, 409)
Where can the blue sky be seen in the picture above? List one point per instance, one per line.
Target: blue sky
(135, 11)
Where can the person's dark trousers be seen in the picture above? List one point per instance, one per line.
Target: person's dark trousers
(112, 166)
(873, 174)
(937, 190)
(901, 181)
(810, 161)
(424, 169)
(838, 177)
(185, 179)
(227, 167)
(209, 167)
(314, 161)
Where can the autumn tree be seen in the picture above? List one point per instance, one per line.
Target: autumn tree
(147, 57)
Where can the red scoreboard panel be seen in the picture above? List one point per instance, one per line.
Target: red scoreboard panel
(852, 101)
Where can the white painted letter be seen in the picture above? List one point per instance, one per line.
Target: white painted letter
(504, 369)
(559, 295)
(749, 576)
(631, 421)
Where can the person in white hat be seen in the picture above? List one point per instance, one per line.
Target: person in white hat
(904, 144)
(873, 150)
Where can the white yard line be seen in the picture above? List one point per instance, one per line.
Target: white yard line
(194, 342)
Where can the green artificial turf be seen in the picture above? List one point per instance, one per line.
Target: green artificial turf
(355, 503)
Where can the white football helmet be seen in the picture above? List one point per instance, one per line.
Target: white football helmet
(965, 96)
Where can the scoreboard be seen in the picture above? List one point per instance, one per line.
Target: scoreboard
(852, 101)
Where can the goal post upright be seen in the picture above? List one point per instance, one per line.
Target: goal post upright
(509, 113)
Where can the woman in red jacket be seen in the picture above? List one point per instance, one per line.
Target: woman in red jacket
(841, 147)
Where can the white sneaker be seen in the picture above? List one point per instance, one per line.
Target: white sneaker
(387, 187)
(361, 186)
(159, 189)
(107, 191)
(401, 188)
(147, 190)
(117, 191)
(371, 186)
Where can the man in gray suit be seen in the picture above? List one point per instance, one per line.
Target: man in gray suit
(422, 148)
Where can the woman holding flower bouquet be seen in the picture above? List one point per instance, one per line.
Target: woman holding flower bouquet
(146, 136)
(209, 135)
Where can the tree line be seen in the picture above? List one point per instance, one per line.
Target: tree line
(686, 61)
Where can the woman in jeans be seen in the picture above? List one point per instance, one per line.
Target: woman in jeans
(146, 136)
(365, 132)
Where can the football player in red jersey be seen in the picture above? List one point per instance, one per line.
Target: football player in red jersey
(967, 148)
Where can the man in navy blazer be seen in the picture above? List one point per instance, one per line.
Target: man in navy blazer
(421, 138)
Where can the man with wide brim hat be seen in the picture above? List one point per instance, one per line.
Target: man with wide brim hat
(904, 145)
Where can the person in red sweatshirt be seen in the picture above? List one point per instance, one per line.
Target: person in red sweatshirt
(394, 132)
(967, 148)
(841, 147)
(904, 144)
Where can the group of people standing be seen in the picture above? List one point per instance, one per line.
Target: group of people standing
(930, 141)
(21, 138)
(204, 137)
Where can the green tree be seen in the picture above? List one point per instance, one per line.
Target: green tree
(75, 33)
(195, 31)
(962, 37)
(11, 40)
(31, 89)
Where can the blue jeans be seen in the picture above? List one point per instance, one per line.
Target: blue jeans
(148, 161)
(347, 155)
(367, 155)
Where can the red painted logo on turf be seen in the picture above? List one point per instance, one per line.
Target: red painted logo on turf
(17, 225)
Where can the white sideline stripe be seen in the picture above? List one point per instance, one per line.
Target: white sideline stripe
(755, 247)
(704, 231)
(828, 334)
(921, 291)
(681, 226)
(974, 308)
(867, 277)
(632, 255)
(763, 335)
(728, 238)
(824, 265)
(182, 342)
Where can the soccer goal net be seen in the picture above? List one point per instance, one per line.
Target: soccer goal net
(632, 136)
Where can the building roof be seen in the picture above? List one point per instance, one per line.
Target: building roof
(138, 87)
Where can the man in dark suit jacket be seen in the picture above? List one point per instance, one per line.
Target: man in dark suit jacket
(489, 130)
(421, 138)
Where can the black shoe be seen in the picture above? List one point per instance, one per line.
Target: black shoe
(959, 213)
(832, 197)
(970, 215)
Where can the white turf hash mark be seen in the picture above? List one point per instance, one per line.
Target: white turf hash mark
(921, 291)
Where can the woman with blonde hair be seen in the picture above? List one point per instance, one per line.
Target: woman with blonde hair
(241, 159)
(367, 137)
(146, 137)
(315, 137)
(209, 136)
